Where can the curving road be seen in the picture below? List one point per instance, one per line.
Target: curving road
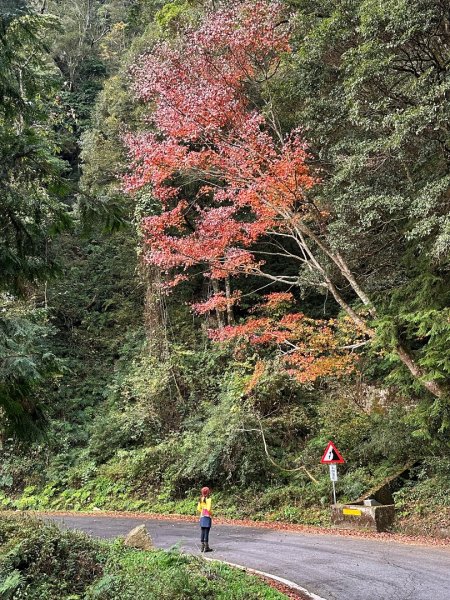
(330, 566)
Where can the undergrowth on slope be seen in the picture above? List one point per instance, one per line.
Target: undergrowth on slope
(39, 562)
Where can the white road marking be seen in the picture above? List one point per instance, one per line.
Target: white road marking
(286, 582)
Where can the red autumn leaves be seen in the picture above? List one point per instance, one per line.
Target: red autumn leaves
(206, 130)
(224, 176)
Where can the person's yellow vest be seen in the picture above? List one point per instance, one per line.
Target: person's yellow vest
(204, 505)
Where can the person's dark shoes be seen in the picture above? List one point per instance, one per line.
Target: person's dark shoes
(207, 548)
(203, 547)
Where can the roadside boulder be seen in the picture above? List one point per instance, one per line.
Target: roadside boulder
(139, 538)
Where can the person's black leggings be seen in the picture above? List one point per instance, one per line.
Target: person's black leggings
(205, 535)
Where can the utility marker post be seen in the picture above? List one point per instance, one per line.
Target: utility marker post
(332, 457)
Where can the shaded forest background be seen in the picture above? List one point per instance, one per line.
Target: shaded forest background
(111, 393)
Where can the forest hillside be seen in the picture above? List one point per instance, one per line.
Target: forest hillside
(224, 242)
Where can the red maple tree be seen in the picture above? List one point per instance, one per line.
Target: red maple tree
(211, 123)
(206, 129)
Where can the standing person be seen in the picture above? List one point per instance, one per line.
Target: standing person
(204, 508)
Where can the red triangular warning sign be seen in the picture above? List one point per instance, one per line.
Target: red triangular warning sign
(332, 456)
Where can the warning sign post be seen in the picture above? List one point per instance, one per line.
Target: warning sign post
(332, 457)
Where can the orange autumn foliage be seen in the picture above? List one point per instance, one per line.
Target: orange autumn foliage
(308, 348)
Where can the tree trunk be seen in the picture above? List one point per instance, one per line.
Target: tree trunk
(361, 323)
(342, 266)
(219, 313)
(418, 373)
(230, 312)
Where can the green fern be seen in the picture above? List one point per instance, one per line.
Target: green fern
(10, 585)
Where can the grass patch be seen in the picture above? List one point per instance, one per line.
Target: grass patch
(40, 562)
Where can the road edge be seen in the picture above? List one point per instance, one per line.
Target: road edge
(286, 582)
(407, 540)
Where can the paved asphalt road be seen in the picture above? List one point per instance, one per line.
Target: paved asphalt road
(333, 567)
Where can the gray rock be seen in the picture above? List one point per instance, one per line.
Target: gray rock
(139, 538)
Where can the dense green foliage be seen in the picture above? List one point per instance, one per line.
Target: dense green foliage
(369, 84)
(39, 562)
(33, 191)
(136, 407)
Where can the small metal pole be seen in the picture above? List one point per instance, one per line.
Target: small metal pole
(334, 492)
